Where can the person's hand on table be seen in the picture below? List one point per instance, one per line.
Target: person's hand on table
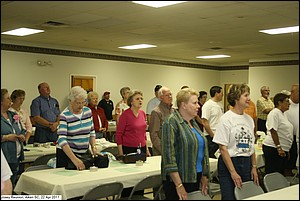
(96, 152)
(119, 157)
(148, 154)
(79, 164)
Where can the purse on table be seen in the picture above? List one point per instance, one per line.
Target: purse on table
(133, 157)
(89, 161)
(101, 161)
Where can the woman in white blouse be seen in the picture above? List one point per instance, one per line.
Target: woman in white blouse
(279, 136)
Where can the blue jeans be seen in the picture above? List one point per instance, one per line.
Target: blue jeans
(242, 166)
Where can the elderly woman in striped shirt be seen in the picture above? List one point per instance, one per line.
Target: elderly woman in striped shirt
(75, 131)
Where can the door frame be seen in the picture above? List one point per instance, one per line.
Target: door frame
(81, 76)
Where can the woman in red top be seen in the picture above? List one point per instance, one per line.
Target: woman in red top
(131, 128)
(99, 119)
(131, 131)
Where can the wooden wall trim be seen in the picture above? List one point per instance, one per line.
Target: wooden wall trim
(41, 50)
(30, 49)
(274, 63)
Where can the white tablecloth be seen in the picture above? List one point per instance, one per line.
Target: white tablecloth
(149, 142)
(213, 163)
(260, 160)
(73, 183)
(111, 126)
(288, 193)
(103, 143)
(35, 152)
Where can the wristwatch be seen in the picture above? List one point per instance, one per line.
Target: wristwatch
(278, 146)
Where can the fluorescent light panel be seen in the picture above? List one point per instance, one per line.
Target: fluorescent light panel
(281, 30)
(213, 56)
(22, 32)
(139, 46)
(158, 4)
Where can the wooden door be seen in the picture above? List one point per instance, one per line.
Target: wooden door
(86, 82)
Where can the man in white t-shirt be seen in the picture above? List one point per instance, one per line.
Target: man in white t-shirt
(212, 110)
(153, 103)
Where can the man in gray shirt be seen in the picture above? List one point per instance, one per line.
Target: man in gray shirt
(158, 115)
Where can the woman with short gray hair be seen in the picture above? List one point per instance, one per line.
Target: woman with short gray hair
(75, 131)
(76, 93)
(99, 118)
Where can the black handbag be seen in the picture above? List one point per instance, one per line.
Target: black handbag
(133, 157)
(101, 161)
(89, 161)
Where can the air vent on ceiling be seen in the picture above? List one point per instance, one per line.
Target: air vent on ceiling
(54, 24)
(216, 48)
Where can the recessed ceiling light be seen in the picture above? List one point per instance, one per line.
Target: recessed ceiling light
(213, 56)
(22, 32)
(139, 46)
(281, 30)
(158, 4)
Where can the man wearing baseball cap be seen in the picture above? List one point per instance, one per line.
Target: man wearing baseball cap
(107, 105)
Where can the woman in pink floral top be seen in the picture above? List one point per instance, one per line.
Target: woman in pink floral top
(17, 97)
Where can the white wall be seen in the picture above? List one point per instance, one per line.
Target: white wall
(233, 77)
(20, 71)
(276, 77)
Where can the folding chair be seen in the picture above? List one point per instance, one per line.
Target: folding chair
(153, 181)
(197, 195)
(104, 191)
(214, 184)
(248, 189)
(274, 181)
(37, 167)
(43, 160)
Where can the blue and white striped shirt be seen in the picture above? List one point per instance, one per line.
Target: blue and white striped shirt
(76, 131)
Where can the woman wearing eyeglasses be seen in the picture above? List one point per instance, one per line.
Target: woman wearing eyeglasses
(76, 131)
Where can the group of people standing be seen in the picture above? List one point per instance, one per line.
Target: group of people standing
(185, 149)
(16, 124)
(179, 140)
(185, 136)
